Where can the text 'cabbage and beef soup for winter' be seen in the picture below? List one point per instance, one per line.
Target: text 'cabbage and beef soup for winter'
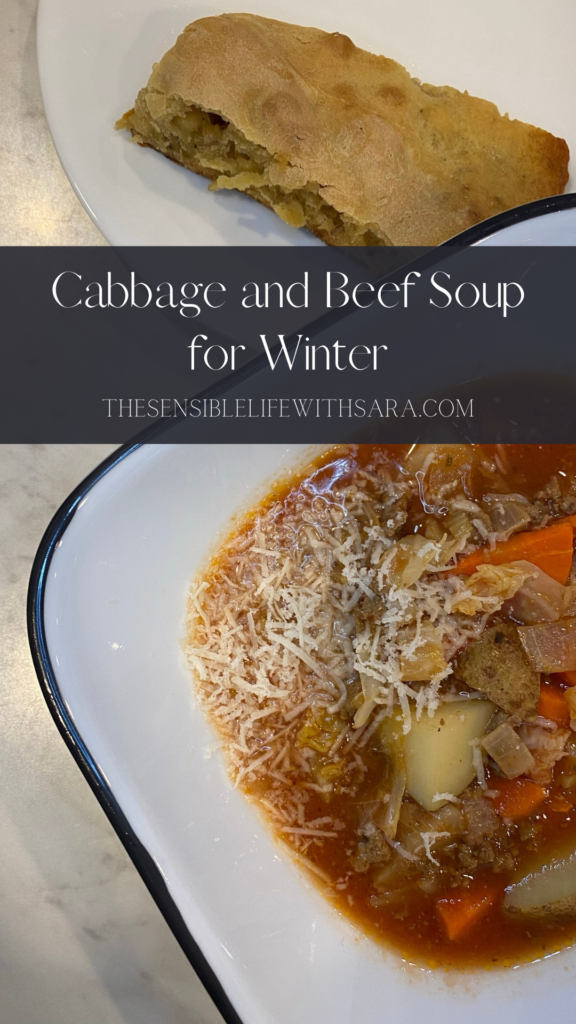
(387, 646)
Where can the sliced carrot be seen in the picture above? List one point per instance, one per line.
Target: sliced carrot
(568, 677)
(551, 549)
(553, 704)
(517, 798)
(463, 908)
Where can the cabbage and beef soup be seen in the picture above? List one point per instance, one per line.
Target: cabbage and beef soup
(387, 646)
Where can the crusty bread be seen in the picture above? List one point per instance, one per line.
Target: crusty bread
(335, 138)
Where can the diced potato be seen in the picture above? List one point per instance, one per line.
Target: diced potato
(438, 751)
(547, 891)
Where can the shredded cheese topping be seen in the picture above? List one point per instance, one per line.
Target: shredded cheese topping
(316, 595)
(428, 840)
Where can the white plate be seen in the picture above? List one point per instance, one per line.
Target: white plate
(95, 56)
(107, 601)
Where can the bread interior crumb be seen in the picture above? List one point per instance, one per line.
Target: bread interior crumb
(206, 143)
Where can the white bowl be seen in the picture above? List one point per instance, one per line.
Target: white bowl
(107, 602)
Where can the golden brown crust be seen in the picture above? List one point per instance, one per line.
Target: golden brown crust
(414, 163)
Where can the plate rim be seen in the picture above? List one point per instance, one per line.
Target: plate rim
(136, 850)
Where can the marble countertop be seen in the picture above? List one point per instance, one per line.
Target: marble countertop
(37, 203)
(81, 940)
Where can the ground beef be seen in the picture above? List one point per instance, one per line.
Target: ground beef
(485, 839)
(529, 832)
(467, 858)
(482, 822)
(372, 849)
(551, 502)
(503, 861)
(486, 853)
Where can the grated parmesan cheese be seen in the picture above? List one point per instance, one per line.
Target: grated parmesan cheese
(428, 840)
(300, 602)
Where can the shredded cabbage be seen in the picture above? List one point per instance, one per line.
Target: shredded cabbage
(490, 586)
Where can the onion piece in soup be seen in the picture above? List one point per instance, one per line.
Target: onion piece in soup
(550, 646)
(509, 752)
(540, 598)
